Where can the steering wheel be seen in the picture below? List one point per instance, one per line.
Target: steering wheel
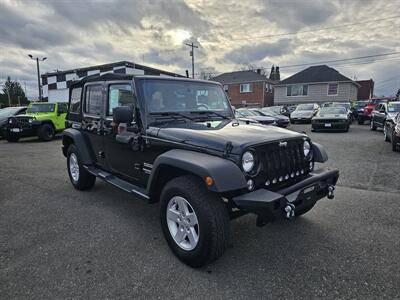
(202, 107)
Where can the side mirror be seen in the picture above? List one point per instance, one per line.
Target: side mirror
(123, 114)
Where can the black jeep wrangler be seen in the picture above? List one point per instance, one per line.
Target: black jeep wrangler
(176, 141)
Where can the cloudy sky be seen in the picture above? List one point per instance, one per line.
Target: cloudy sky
(231, 35)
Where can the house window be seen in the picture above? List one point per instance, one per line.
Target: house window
(246, 88)
(332, 89)
(297, 90)
(268, 87)
(226, 87)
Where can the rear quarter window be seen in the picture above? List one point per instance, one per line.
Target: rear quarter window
(76, 100)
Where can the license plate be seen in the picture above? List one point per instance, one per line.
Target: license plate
(16, 130)
(328, 125)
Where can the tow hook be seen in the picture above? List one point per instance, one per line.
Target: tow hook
(331, 192)
(289, 211)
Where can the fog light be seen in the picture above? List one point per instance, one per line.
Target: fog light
(250, 184)
(297, 173)
(267, 182)
(280, 178)
(286, 177)
(274, 181)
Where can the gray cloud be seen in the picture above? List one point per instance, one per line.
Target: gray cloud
(256, 53)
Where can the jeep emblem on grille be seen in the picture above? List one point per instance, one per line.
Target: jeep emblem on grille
(282, 144)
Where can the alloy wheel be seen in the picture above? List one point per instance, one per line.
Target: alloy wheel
(182, 223)
(74, 167)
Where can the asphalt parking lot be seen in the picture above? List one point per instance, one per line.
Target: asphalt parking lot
(56, 242)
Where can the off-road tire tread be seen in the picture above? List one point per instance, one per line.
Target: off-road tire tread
(86, 180)
(41, 134)
(213, 206)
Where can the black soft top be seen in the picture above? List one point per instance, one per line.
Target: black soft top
(104, 77)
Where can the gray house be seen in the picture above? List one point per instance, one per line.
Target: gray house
(315, 84)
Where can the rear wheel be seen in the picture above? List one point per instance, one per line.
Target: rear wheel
(46, 132)
(80, 178)
(195, 222)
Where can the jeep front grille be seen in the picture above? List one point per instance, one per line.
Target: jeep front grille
(282, 163)
(23, 122)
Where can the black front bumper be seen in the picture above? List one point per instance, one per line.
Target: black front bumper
(270, 206)
(333, 125)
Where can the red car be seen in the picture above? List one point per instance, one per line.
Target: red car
(366, 115)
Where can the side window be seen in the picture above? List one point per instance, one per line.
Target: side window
(121, 94)
(62, 108)
(75, 105)
(94, 100)
(378, 107)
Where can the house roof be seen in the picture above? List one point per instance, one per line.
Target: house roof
(240, 77)
(321, 73)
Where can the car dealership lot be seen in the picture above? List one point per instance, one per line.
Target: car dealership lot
(56, 242)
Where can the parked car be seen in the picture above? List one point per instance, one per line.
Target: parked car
(8, 112)
(392, 132)
(280, 120)
(368, 110)
(249, 114)
(160, 143)
(331, 118)
(347, 106)
(358, 111)
(41, 119)
(382, 112)
(304, 112)
(279, 110)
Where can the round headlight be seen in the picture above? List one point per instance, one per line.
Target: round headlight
(306, 148)
(248, 161)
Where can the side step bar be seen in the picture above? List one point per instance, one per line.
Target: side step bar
(117, 182)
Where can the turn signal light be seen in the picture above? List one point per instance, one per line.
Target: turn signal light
(209, 180)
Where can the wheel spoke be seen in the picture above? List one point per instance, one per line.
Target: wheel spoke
(173, 215)
(180, 235)
(182, 206)
(192, 219)
(192, 235)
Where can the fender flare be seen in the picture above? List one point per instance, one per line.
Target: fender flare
(320, 154)
(84, 149)
(37, 123)
(226, 175)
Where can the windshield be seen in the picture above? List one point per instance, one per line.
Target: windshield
(173, 96)
(305, 107)
(333, 110)
(38, 108)
(246, 112)
(9, 111)
(393, 107)
(345, 105)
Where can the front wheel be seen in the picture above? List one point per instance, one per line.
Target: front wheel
(385, 133)
(195, 222)
(373, 126)
(80, 178)
(46, 132)
(12, 138)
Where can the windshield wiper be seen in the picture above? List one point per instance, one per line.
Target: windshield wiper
(208, 112)
(170, 114)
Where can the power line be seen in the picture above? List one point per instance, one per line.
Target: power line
(314, 29)
(339, 60)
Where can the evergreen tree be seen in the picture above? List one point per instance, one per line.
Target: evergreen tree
(13, 93)
(277, 74)
(272, 73)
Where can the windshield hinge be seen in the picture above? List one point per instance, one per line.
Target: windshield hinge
(228, 148)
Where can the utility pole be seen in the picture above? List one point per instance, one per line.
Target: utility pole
(38, 73)
(192, 55)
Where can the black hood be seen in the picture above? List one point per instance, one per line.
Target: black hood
(240, 135)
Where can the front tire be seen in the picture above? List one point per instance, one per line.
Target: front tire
(80, 178)
(195, 221)
(395, 148)
(385, 133)
(46, 132)
(373, 126)
(12, 138)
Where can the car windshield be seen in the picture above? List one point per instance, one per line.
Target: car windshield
(333, 110)
(246, 112)
(393, 107)
(305, 107)
(38, 108)
(185, 97)
(9, 111)
(345, 105)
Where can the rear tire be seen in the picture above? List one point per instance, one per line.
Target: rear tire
(80, 178)
(212, 233)
(46, 132)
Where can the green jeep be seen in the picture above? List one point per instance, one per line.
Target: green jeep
(41, 119)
